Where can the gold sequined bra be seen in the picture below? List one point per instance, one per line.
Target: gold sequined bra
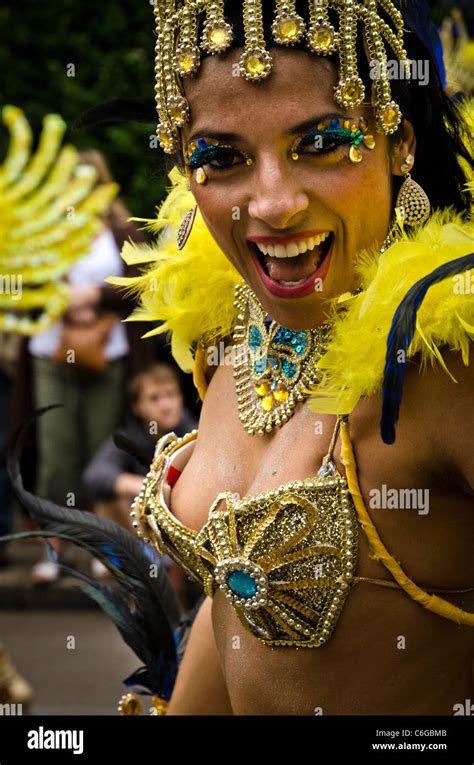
(285, 559)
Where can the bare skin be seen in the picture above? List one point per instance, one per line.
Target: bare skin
(360, 670)
(387, 655)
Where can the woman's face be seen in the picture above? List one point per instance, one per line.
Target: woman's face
(277, 200)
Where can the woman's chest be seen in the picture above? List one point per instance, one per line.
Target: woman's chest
(423, 521)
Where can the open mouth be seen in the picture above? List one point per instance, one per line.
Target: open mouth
(294, 269)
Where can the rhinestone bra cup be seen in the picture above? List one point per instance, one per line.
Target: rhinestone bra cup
(285, 559)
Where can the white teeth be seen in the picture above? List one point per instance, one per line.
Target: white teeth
(290, 284)
(294, 248)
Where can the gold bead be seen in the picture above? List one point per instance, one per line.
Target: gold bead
(201, 176)
(129, 704)
(355, 154)
(369, 141)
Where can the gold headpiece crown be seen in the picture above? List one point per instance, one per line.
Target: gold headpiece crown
(178, 50)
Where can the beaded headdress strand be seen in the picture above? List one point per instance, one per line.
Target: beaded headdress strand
(178, 50)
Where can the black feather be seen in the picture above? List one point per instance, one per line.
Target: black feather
(118, 110)
(124, 443)
(399, 339)
(145, 608)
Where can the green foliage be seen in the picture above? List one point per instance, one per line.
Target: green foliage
(110, 45)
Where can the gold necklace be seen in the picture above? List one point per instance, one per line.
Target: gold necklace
(273, 366)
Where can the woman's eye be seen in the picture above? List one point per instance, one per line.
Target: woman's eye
(219, 158)
(322, 143)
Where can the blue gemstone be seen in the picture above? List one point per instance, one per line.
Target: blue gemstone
(242, 584)
(289, 369)
(255, 337)
(279, 336)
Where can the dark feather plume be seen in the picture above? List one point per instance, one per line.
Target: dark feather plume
(143, 607)
(399, 339)
(118, 110)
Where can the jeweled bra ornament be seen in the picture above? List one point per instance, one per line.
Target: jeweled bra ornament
(273, 366)
(178, 51)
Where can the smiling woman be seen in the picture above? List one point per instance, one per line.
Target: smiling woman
(297, 169)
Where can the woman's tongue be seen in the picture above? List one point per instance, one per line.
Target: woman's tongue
(296, 269)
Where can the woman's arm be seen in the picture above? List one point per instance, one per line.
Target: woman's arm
(200, 686)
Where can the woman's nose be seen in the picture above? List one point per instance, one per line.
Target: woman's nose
(276, 197)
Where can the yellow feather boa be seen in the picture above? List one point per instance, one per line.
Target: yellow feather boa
(191, 291)
(354, 362)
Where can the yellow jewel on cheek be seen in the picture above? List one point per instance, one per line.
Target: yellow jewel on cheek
(355, 155)
(201, 176)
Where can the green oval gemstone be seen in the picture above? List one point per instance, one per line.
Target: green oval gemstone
(242, 584)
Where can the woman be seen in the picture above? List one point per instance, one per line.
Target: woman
(292, 200)
(336, 559)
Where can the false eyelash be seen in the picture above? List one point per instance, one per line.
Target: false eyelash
(339, 135)
(202, 155)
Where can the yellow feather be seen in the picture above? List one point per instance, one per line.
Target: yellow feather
(354, 361)
(190, 290)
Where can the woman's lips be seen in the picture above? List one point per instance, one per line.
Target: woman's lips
(301, 271)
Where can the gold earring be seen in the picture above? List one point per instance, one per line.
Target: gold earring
(413, 206)
(184, 230)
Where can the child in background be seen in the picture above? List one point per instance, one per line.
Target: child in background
(114, 477)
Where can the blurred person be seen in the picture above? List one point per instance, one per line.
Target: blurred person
(81, 363)
(114, 476)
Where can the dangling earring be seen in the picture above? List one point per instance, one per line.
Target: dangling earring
(184, 230)
(413, 206)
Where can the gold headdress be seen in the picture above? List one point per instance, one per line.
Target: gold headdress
(178, 50)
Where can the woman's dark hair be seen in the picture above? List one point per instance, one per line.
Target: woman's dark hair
(438, 126)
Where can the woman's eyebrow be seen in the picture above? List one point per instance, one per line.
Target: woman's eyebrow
(300, 128)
